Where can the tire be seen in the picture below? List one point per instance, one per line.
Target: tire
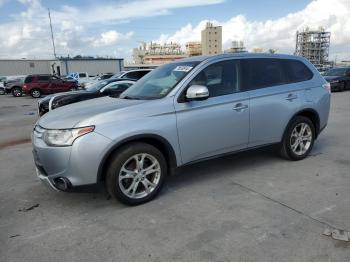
(35, 93)
(129, 186)
(2, 91)
(296, 145)
(17, 91)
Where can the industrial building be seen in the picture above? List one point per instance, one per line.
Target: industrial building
(193, 48)
(236, 47)
(211, 39)
(314, 45)
(154, 53)
(96, 66)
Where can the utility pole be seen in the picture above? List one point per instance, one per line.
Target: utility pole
(52, 38)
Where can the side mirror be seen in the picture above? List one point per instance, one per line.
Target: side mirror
(197, 92)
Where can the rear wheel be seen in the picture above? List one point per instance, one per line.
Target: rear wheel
(35, 93)
(298, 139)
(136, 173)
(17, 91)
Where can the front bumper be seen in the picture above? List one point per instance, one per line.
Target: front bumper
(78, 164)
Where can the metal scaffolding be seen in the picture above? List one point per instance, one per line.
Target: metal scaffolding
(314, 45)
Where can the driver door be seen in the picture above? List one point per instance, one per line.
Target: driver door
(219, 124)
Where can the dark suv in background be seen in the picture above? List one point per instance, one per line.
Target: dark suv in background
(37, 85)
(339, 78)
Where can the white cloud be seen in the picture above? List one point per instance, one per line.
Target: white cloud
(280, 33)
(110, 38)
(128, 10)
(27, 33)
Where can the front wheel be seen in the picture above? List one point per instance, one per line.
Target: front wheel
(298, 139)
(136, 173)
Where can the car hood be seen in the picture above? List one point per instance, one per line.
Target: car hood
(46, 99)
(71, 115)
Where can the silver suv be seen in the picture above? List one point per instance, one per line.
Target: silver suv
(182, 112)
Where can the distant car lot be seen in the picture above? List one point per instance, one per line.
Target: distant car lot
(248, 207)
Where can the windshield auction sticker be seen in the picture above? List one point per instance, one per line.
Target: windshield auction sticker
(183, 68)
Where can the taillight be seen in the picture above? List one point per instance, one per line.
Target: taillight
(327, 86)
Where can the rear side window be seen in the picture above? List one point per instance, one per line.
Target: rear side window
(296, 71)
(28, 79)
(260, 73)
(43, 78)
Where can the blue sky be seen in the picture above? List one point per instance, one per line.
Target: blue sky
(114, 27)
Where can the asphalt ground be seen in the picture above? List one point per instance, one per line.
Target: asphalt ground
(252, 206)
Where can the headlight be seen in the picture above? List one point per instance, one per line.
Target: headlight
(334, 81)
(65, 137)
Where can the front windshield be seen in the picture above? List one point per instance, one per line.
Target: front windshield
(336, 72)
(159, 82)
(97, 86)
(117, 75)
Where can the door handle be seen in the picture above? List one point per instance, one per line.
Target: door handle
(291, 97)
(239, 107)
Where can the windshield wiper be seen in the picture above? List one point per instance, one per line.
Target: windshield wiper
(131, 98)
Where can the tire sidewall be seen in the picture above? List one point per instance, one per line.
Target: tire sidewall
(297, 120)
(117, 161)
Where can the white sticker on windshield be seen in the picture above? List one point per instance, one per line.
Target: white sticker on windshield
(183, 68)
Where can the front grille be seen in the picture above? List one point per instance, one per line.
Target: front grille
(38, 131)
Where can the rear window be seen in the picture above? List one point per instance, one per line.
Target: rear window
(28, 79)
(296, 71)
(260, 73)
(43, 78)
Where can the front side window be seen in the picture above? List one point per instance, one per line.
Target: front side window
(159, 82)
(220, 78)
(261, 72)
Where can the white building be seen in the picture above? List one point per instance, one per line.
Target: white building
(10, 67)
(211, 40)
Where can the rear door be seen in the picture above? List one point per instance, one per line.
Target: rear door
(274, 98)
(219, 124)
(57, 85)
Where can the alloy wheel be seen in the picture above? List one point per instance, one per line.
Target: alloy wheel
(139, 175)
(301, 139)
(36, 93)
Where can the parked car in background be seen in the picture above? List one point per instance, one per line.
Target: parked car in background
(339, 78)
(2, 87)
(109, 87)
(37, 85)
(135, 74)
(14, 84)
(82, 78)
(182, 112)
